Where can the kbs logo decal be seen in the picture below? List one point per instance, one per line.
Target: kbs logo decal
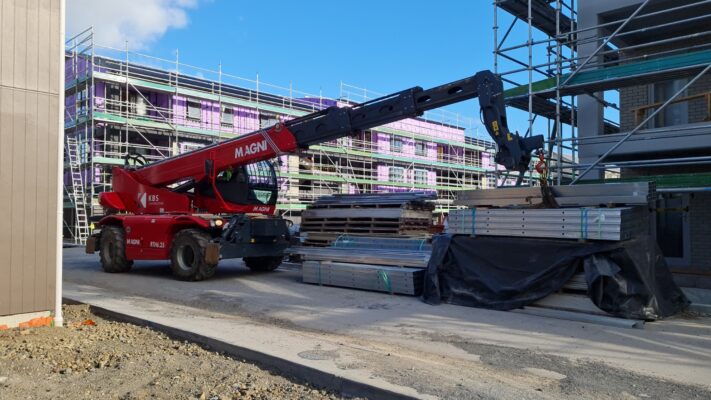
(144, 199)
(249, 149)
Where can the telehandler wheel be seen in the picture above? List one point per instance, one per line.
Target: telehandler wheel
(187, 256)
(113, 250)
(263, 264)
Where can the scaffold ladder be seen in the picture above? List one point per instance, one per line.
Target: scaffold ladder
(81, 226)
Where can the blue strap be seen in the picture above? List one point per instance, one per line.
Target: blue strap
(600, 220)
(338, 239)
(386, 280)
(584, 223)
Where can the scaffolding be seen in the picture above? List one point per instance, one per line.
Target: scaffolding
(120, 102)
(560, 61)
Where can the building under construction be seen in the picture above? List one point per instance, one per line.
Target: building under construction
(620, 88)
(623, 90)
(119, 102)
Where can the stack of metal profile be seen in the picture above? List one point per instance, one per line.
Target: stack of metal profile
(397, 199)
(612, 224)
(379, 243)
(401, 258)
(384, 214)
(593, 195)
(392, 280)
(577, 282)
(326, 239)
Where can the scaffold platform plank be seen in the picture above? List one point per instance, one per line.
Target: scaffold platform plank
(625, 75)
(546, 108)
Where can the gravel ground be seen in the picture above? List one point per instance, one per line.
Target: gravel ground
(115, 360)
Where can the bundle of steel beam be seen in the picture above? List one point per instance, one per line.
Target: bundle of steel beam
(392, 280)
(375, 257)
(635, 193)
(363, 213)
(348, 200)
(325, 239)
(378, 243)
(395, 214)
(577, 282)
(561, 223)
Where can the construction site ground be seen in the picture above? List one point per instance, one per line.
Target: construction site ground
(96, 358)
(399, 343)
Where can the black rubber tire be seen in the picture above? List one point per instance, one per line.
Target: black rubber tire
(112, 251)
(187, 256)
(263, 264)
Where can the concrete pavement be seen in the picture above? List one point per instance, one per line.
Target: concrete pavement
(393, 342)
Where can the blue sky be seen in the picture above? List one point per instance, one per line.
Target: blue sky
(385, 45)
(315, 45)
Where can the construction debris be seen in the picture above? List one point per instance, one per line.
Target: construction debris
(106, 359)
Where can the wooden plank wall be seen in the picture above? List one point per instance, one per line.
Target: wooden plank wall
(30, 56)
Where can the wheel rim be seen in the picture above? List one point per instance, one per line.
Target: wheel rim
(185, 258)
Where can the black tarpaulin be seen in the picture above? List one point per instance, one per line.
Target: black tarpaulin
(628, 279)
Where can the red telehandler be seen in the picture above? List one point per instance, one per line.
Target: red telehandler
(219, 201)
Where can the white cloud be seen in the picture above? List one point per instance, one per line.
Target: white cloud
(141, 22)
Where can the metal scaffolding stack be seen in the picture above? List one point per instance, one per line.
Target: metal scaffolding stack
(377, 214)
(391, 280)
(610, 224)
(369, 247)
(391, 265)
(593, 195)
(584, 212)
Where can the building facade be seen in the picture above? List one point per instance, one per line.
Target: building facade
(127, 103)
(31, 41)
(627, 84)
(671, 147)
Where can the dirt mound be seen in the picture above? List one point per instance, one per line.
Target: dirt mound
(97, 358)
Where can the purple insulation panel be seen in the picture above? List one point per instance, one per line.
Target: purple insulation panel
(246, 120)
(99, 96)
(382, 142)
(318, 103)
(421, 127)
(70, 105)
(75, 67)
(383, 172)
